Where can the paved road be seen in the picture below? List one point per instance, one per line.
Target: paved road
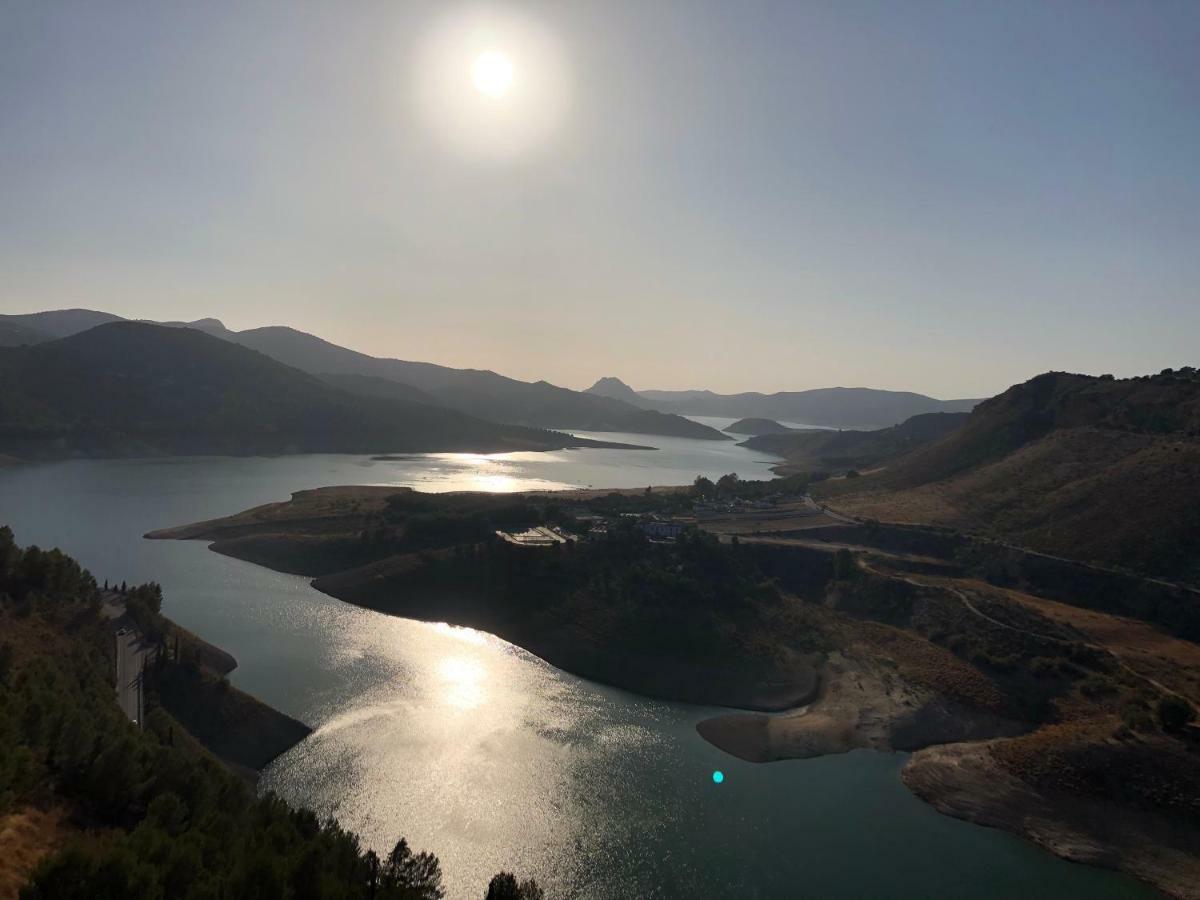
(813, 504)
(131, 656)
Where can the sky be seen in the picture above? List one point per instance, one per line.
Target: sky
(940, 197)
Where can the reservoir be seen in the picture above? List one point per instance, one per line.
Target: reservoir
(484, 754)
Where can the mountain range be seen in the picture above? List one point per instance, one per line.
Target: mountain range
(136, 389)
(837, 407)
(609, 405)
(479, 393)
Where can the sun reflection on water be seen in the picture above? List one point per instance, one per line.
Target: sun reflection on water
(499, 473)
(462, 633)
(463, 681)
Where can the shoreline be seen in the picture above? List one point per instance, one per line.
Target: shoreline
(882, 688)
(146, 453)
(858, 706)
(672, 680)
(240, 730)
(965, 782)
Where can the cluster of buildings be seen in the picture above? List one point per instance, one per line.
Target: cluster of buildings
(657, 528)
(538, 536)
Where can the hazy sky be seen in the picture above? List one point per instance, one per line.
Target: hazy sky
(942, 197)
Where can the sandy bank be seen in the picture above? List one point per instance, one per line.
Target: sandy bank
(859, 704)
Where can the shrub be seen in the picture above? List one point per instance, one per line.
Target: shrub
(1174, 712)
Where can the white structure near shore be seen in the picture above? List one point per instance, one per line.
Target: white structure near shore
(538, 536)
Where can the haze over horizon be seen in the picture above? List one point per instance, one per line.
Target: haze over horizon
(939, 199)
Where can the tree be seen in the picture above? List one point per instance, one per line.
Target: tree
(504, 886)
(1174, 712)
(411, 876)
(727, 484)
(703, 486)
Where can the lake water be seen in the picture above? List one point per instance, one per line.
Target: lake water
(488, 756)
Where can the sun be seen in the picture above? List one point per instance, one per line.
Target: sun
(492, 73)
(493, 85)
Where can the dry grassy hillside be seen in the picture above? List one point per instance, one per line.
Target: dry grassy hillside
(1087, 468)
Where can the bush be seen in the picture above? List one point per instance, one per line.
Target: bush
(1136, 717)
(1174, 712)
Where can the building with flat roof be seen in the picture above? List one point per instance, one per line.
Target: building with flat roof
(538, 536)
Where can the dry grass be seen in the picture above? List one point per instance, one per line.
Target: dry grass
(323, 510)
(925, 664)
(1173, 662)
(26, 835)
(31, 637)
(1083, 493)
(1083, 758)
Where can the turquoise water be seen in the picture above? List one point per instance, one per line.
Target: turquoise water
(490, 757)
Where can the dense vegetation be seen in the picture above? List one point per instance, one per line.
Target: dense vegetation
(156, 817)
(690, 619)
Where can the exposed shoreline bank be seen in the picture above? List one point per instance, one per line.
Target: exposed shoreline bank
(856, 706)
(966, 782)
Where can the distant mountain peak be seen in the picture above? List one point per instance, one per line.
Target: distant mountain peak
(610, 381)
(614, 388)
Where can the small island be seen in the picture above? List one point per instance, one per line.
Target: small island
(754, 427)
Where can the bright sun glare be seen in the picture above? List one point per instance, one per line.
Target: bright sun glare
(491, 84)
(492, 73)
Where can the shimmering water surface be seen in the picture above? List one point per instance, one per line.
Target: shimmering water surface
(485, 754)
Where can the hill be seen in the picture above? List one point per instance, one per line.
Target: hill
(475, 392)
(838, 451)
(836, 407)
(57, 323)
(615, 389)
(758, 426)
(370, 386)
(127, 389)
(479, 393)
(15, 334)
(1088, 468)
